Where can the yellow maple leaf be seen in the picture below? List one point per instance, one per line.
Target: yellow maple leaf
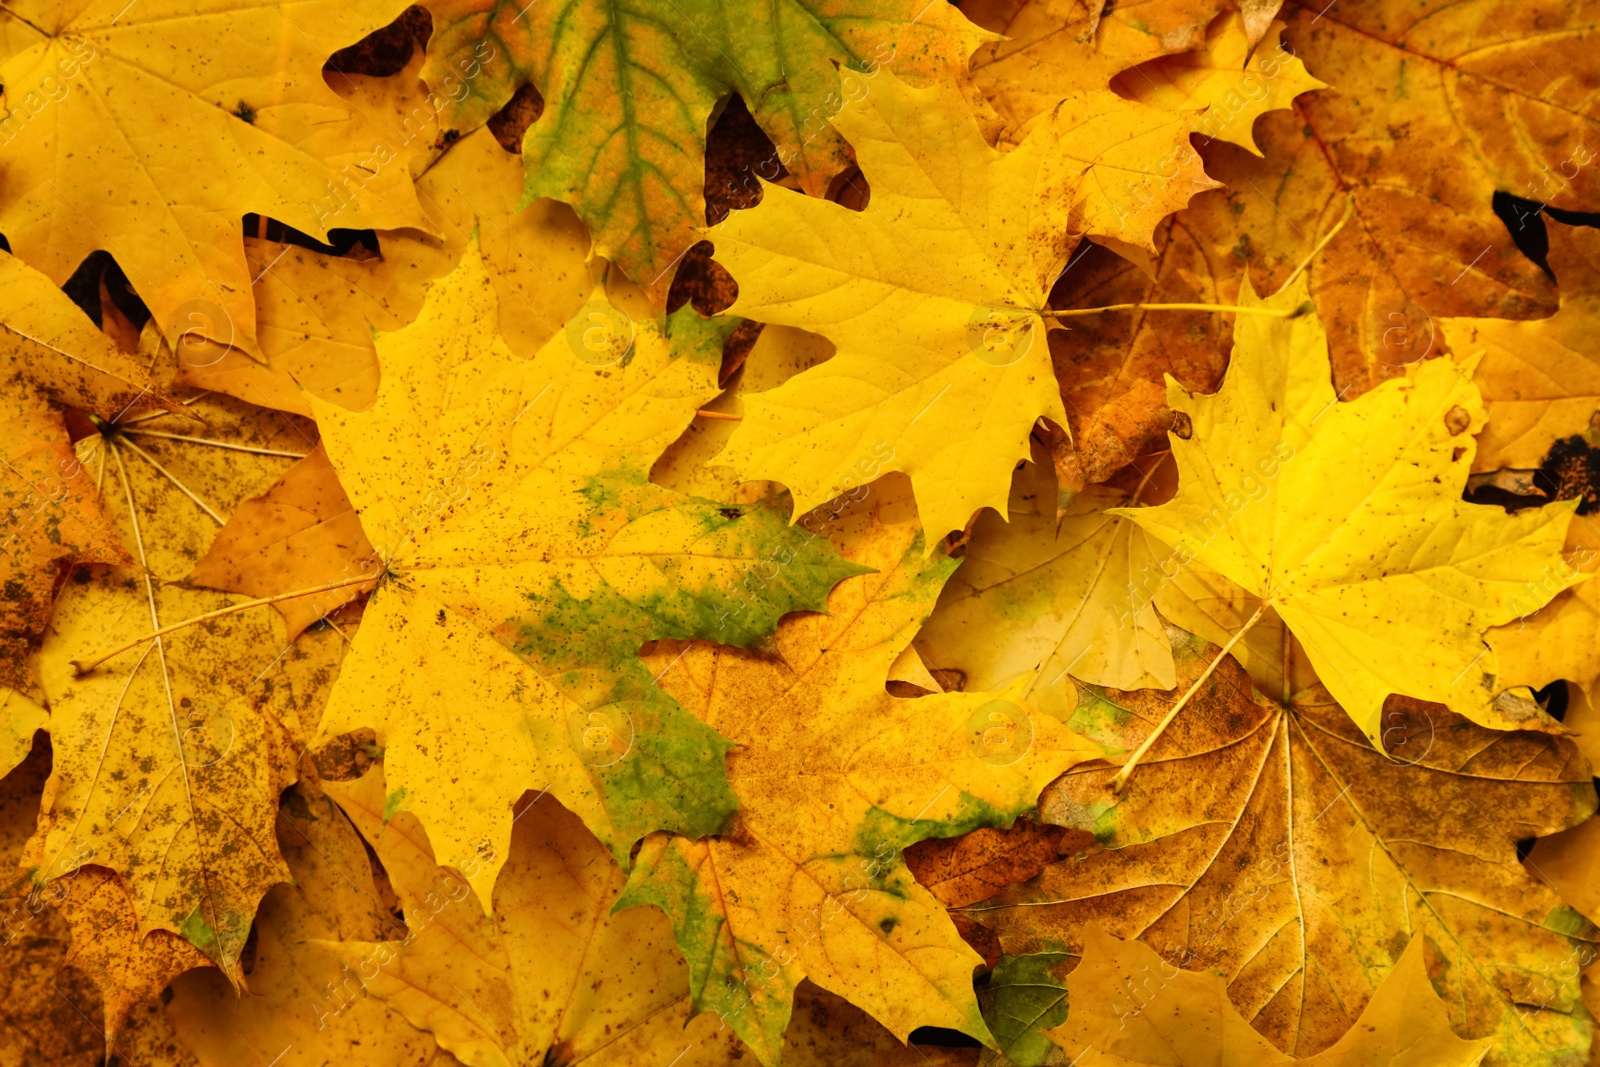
(1231, 81)
(1054, 48)
(302, 1002)
(835, 778)
(1347, 518)
(1054, 596)
(1129, 1007)
(934, 295)
(104, 94)
(553, 974)
(316, 313)
(1540, 377)
(526, 557)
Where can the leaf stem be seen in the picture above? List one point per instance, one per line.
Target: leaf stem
(81, 668)
(1121, 780)
(725, 416)
(1272, 313)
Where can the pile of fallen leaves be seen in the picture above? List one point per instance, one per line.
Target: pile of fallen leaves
(867, 533)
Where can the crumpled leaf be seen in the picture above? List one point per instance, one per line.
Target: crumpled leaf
(1055, 48)
(835, 778)
(629, 91)
(933, 295)
(301, 533)
(1540, 377)
(1347, 519)
(1275, 846)
(1059, 599)
(1438, 106)
(1127, 1009)
(114, 91)
(303, 1005)
(526, 559)
(1232, 81)
(553, 974)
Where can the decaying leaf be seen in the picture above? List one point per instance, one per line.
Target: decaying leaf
(1347, 520)
(525, 560)
(934, 295)
(1128, 1009)
(835, 778)
(1278, 848)
(98, 92)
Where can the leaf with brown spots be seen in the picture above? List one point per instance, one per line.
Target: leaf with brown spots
(169, 757)
(1277, 848)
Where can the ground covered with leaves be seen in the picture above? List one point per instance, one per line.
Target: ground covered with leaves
(865, 532)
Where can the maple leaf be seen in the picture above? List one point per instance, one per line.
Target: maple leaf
(629, 91)
(1057, 597)
(526, 558)
(302, 1001)
(127, 966)
(1540, 378)
(169, 758)
(1184, 1019)
(1440, 107)
(316, 313)
(1232, 81)
(82, 83)
(553, 974)
(1274, 845)
(300, 533)
(1055, 48)
(934, 295)
(1347, 518)
(835, 778)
